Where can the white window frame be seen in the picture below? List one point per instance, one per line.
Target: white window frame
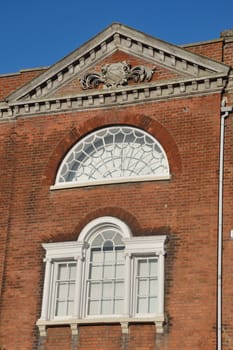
(54, 286)
(86, 278)
(78, 251)
(159, 171)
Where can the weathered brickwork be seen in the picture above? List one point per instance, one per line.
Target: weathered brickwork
(213, 50)
(9, 83)
(185, 208)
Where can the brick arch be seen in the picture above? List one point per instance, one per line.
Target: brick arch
(116, 212)
(146, 123)
(127, 217)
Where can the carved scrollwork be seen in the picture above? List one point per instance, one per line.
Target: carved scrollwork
(116, 74)
(91, 80)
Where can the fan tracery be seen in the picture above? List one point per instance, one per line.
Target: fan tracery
(113, 153)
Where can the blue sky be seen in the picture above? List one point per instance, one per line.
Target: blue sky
(35, 34)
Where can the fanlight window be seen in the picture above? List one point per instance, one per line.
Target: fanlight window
(114, 154)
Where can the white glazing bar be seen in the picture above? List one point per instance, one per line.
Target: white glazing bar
(113, 153)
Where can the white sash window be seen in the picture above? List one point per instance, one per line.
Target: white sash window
(105, 283)
(64, 284)
(106, 275)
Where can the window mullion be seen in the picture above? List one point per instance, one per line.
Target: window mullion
(161, 283)
(100, 306)
(53, 292)
(78, 287)
(127, 283)
(86, 285)
(46, 291)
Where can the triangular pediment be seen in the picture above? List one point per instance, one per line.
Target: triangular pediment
(180, 63)
(114, 72)
(149, 69)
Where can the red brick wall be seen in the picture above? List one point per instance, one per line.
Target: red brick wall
(7, 136)
(227, 241)
(218, 50)
(142, 337)
(184, 207)
(9, 83)
(213, 50)
(228, 53)
(102, 337)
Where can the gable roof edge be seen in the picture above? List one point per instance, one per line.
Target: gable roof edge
(115, 36)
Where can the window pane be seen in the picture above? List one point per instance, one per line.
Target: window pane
(143, 287)
(153, 287)
(108, 290)
(98, 241)
(118, 240)
(108, 245)
(70, 308)
(96, 257)
(61, 308)
(96, 272)
(153, 267)
(119, 306)
(108, 257)
(71, 291)
(119, 289)
(120, 271)
(120, 255)
(142, 305)
(142, 267)
(93, 307)
(108, 234)
(153, 305)
(62, 272)
(72, 271)
(108, 272)
(95, 290)
(107, 307)
(62, 291)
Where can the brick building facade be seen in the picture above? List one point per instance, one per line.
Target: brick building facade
(116, 194)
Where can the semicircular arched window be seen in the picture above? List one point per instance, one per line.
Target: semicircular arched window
(113, 154)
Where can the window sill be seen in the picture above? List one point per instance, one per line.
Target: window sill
(66, 185)
(124, 321)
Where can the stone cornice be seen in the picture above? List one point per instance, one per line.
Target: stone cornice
(229, 86)
(142, 93)
(111, 39)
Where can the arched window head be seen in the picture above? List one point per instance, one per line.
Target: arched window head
(105, 226)
(113, 154)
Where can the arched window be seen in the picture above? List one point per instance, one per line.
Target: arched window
(113, 154)
(105, 280)
(106, 275)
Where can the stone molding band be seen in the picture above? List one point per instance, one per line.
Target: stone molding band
(108, 97)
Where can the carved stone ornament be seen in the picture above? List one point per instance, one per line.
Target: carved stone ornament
(116, 74)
